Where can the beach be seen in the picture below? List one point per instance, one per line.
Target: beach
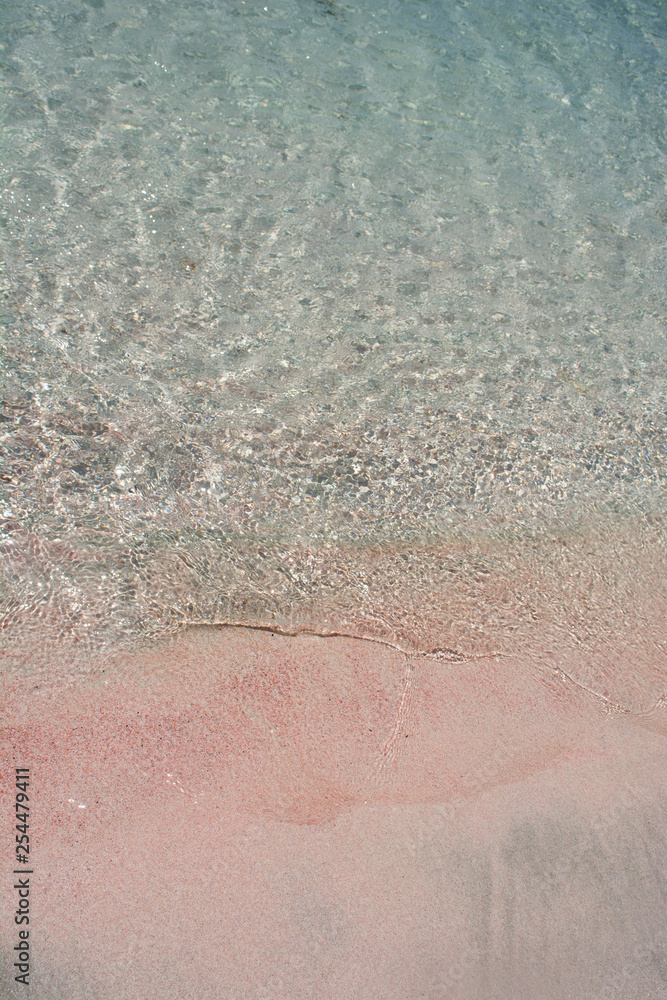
(231, 811)
(333, 478)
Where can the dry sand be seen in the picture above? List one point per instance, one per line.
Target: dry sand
(239, 814)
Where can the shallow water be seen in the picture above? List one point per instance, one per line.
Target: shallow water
(346, 322)
(316, 277)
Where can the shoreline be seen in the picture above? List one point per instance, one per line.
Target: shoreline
(590, 599)
(353, 815)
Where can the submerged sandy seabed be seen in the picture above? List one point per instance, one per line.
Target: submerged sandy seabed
(238, 814)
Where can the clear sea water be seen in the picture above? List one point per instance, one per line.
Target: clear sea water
(315, 311)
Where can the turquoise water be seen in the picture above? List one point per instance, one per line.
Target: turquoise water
(299, 297)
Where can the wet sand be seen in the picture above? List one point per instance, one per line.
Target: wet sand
(235, 813)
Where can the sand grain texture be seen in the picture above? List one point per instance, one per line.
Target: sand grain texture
(235, 813)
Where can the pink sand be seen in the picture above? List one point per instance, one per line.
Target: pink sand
(237, 814)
